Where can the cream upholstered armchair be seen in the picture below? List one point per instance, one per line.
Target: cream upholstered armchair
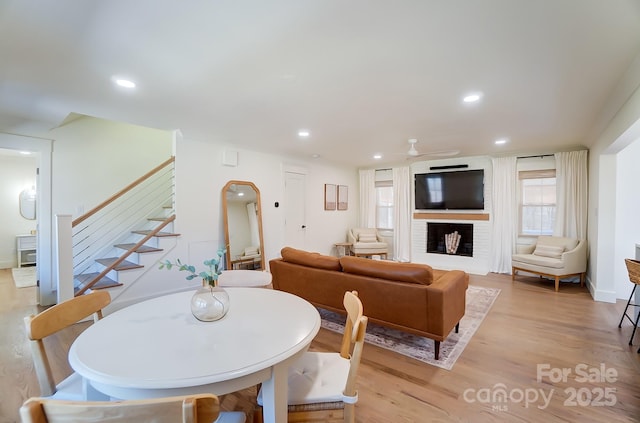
(366, 242)
(552, 256)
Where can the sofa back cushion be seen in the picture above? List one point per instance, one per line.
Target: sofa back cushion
(401, 272)
(554, 246)
(306, 258)
(365, 234)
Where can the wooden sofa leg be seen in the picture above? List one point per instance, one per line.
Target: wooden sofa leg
(437, 350)
(513, 275)
(557, 283)
(582, 277)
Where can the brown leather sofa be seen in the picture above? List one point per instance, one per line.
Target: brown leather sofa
(410, 297)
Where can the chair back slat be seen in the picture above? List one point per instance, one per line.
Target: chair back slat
(67, 313)
(54, 319)
(186, 409)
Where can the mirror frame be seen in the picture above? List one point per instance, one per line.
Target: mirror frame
(27, 204)
(227, 242)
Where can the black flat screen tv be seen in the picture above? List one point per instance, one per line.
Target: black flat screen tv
(459, 190)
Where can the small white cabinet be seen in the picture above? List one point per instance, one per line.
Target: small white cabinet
(27, 250)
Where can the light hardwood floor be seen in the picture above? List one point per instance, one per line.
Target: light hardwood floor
(529, 325)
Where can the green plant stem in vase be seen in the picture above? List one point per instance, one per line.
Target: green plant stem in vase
(210, 302)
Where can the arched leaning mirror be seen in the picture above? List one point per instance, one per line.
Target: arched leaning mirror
(243, 225)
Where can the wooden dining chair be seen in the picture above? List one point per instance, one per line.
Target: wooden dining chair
(52, 320)
(244, 278)
(197, 408)
(322, 385)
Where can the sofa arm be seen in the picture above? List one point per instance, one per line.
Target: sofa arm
(575, 261)
(350, 237)
(446, 300)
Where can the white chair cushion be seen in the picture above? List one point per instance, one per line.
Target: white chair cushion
(245, 278)
(70, 389)
(535, 260)
(316, 377)
(231, 417)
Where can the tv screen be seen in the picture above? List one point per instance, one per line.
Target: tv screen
(460, 190)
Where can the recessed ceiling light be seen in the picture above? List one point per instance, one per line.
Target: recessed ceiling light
(472, 98)
(25, 153)
(303, 133)
(125, 83)
(315, 156)
(377, 156)
(501, 141)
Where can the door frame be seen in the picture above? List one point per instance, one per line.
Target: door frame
(47, 282)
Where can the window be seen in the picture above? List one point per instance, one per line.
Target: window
(538, 202)
(384, 204)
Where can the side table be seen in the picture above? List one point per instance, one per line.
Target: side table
(343, 248)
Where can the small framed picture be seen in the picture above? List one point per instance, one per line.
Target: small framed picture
(329, 197)
(343, 197)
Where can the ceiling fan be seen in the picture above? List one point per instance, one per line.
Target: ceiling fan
(414, 153)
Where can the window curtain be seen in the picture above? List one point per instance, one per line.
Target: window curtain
(402, 214)
(571, 194)
(367, 198)
(253, 224)
(505, 213)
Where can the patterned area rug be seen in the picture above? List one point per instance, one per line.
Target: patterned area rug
(478, 303)
(24, 277)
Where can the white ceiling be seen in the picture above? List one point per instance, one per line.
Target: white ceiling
(362, 75)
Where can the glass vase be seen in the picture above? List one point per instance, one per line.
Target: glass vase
(210, 303)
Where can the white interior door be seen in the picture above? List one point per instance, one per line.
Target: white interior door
(295, 224)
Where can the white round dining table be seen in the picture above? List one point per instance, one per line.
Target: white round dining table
(156, 348)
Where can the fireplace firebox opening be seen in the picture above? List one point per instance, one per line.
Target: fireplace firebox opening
(450, 238)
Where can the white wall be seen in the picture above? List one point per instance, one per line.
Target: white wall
(627, 211)
(16, 174)
(620, 129)
(95, 158)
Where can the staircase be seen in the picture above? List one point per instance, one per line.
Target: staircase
(127, 266)
(118, 241)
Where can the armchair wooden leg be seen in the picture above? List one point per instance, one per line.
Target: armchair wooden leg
(513, 274)
(557, 283)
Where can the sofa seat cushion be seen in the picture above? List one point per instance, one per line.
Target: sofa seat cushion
(383, 269)
(306, 258)
(537, 260)
(369, 245)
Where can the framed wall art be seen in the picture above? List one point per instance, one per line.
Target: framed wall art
(329, 197)
(343, 197)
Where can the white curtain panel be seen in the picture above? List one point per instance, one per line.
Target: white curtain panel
(571, 194)
(402, 214)
(505, 213)
(253, 225)
(367, 198)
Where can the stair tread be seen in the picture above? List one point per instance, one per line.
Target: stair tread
(140, 249)
(159, 234)
(125, 265)
(104, 282)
